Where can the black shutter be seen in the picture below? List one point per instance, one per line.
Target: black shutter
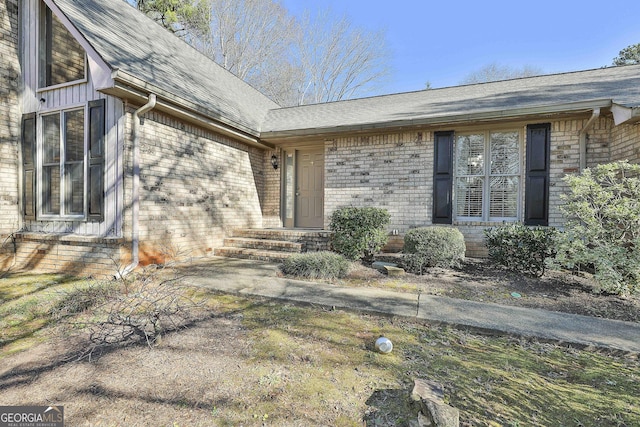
(536, 204)
(28, 165)
(442, 178)
(95, 183)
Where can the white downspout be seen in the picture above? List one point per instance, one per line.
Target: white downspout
(583, 138)
(135, 187)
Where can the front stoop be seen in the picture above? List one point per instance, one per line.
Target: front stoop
(273, 244)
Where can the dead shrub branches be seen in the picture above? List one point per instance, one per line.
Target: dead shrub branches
(141, 308)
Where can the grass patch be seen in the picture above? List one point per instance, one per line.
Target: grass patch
(499, 381)
(292, 365)
(81, 297)
(26, 302)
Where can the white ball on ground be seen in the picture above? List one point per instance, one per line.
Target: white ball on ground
(384, 345)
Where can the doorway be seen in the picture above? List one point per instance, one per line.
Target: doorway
(303, 188)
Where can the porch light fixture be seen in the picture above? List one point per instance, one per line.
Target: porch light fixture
(274, 161)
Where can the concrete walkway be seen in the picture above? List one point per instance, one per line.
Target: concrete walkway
(255, 278)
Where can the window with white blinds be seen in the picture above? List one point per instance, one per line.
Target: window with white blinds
(487, 176)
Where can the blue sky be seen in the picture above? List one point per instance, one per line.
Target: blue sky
(443, 41)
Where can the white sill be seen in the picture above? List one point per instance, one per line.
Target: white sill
(61, 85)
(79, 218)
(68, 238)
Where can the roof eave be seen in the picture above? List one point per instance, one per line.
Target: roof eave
(124, 79)
(485, 116)
(137, 91)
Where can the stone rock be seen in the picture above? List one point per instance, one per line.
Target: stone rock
(381, 265)
(425, 389)
(394, 271)
(427, 397)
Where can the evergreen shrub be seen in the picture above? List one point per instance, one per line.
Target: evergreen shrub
(435, 246)
(521, 248)
(359, 232)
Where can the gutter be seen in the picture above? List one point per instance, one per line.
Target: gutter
(125, 85)
(622, 114)
(582, 138)
(135, 188)
(188, 112)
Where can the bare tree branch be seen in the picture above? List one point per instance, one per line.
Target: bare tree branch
(339, 61)
(317, 59)
(494, 72)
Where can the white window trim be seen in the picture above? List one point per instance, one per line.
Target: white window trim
(486, 202)
(40, 215)
(66, 84)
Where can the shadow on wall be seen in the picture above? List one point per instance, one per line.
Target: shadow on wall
(9, 132)
(195, 186)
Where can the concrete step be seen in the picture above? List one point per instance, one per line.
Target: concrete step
(255, 254)
(273, 244)
(269, 245)
(311, 239)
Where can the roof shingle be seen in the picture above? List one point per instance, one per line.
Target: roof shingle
(129, 41)
(618, 84)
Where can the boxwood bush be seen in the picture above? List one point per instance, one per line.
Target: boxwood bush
(435, 246)
(521, 248)
(316, 265)
(359, 232)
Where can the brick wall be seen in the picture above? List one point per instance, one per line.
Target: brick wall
(271, 191)
(69, 254)
(391, 171)
(394, 171)
(9, 127)
(565, 159)
(599, 141)
(626, 143)
(605, 143)
(195, 187)
(473, 232)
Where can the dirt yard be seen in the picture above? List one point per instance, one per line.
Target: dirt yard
(255, 362)
(480, 280)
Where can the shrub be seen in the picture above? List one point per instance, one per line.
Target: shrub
(316, 265)
(359, 233)
(427, 247)
(603, 230)
(146, 310)
(81, 298)
(137, 309)
(521, 248)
